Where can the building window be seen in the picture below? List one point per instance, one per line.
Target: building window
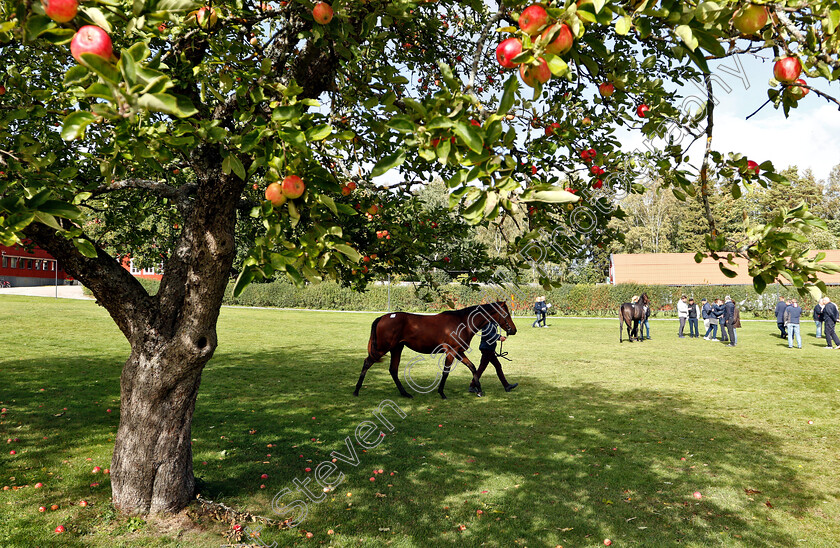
(5, 262)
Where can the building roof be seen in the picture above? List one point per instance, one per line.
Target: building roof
(680, 269)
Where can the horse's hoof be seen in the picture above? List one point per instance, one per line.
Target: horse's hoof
(472, 390)
(355, 393)
(479, 394)
(442, 396)
(510, 387)
(406, 395)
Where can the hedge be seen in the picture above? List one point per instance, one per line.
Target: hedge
(567, 300)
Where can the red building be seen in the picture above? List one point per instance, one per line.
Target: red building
(23, 268)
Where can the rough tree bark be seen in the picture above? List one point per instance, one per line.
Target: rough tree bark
(172, 337)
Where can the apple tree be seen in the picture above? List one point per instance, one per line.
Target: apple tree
(180, 119)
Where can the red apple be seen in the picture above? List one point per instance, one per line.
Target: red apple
(83, 503)
(551, 128)
(42, 508)
(562, 42)
(39, 485)
(322, 13)
(293, 187)
(606, 89)
(586, 121)
(60, 11)
(533, 18)
(2, 90)
(274, 194)
(750, 19)
(697, 495)
(205, 17)
(91, 39)
(54, 507)
(507, 50)
(595, 170)
(787, 69)
(96, 470)
(532, 75)
(13, 452)
(59, 529)
(642, 110)
(598, 184)
(607, 542)
(798, 92)
(753, 166)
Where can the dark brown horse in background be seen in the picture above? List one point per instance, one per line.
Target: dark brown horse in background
(448, 333)
(634, 312)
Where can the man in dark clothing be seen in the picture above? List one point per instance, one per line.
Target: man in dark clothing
(718, 310)
(830, 317)
(780, 316)
(538, 312)
(818, 317)
(692, 319)
(729, 319)
(487, 346)
(543, 311)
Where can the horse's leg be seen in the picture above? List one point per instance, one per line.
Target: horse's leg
(447, 365)
(395, 369)
(370, 360)
(466, 361)
(482, 365)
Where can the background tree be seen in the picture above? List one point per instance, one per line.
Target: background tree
(192, 112)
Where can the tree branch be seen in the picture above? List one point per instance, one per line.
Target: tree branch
(704, 170)
(479, 47)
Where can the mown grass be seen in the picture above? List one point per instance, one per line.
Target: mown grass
(590, 445)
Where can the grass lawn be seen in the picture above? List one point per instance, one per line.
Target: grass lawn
(599, 441)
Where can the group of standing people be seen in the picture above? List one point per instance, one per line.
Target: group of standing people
(789, 317)
(717, 312)
(541, 310)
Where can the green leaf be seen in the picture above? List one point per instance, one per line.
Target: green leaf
(509, 95)
(388, 162)
(178, 106)
(727, 272)
(318, 133)
(246, 276)
(232, 163)
(348, 251)
(47, 219)
(294, 275)
(623, 25)
(759, 284)
(329, 202)
(100, 66)
(128, 69)
(401, 124)
(75, 124)
(556, 65)
(85, 247)
(98, 18)
(468, 134)
(687, 36)
(60, 209)
(75, 75)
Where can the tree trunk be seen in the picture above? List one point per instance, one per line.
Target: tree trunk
(152, 468)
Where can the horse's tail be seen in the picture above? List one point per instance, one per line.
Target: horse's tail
(372, 341)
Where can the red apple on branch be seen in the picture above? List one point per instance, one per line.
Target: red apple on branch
(322, 13)
(787, 69)
(642, 110)
(750, 19)
(551, 128)
(533, 74)
(798, 92)
(753, 166)
(274, 194)
(91, 39)
(507, 50)
(562, 42)
(606, 89)
(293, 187)
(533, 18)
(60, 11)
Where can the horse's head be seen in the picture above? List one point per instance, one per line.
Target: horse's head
(501, 315)
(644, 299)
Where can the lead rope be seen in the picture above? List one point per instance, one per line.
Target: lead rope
(501, 354)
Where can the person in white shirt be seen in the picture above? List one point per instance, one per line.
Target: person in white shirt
(682, 314)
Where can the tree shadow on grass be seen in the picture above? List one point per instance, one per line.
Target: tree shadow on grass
(545, 465)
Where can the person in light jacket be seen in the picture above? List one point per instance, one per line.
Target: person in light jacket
(682, 314)
(818, 317)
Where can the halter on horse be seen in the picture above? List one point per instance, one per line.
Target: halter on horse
(448, 333)
(634, 312)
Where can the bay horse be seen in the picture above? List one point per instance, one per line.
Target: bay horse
(448, 333)
(634, 312)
